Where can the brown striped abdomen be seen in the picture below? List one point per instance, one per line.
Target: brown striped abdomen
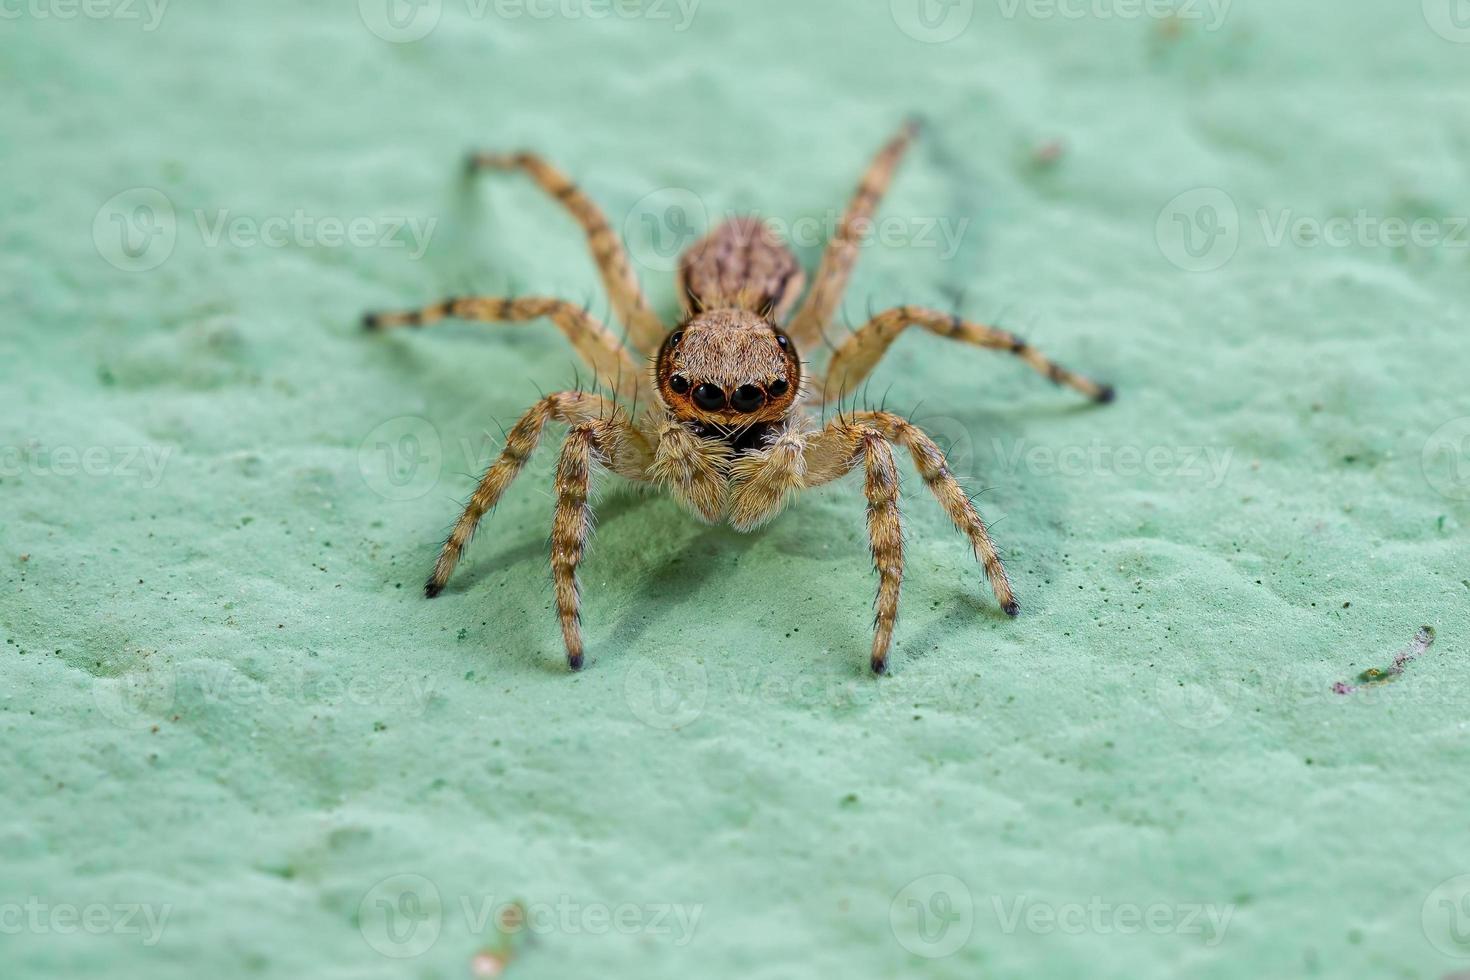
(741, 264)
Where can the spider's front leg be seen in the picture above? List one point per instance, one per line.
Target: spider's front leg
(571, 407)
(763, 482)
(844, 446)
(584, 446)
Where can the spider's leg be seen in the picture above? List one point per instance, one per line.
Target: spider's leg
(645, 331)
(837, 450)
(808, 325)
(569, 531)
(597, 345)
(564, 406)
(856, 356)
(929, 460)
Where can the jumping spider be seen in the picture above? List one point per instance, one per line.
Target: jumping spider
(729, 433)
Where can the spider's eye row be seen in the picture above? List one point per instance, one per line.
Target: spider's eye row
(680, 384)
(777, 388)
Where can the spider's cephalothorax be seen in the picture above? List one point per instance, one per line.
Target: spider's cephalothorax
(728, 434)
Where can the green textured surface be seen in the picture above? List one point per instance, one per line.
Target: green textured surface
(227, 704)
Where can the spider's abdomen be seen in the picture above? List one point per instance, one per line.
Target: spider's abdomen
(741, 264)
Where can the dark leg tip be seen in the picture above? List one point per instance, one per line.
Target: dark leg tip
(1106, 396)
(432, 589)
(574, 661)
(880, 667)
(1013, 609)
(369, 321)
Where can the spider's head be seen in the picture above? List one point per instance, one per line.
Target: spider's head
(728, 368)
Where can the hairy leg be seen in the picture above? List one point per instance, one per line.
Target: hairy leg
(630, 454)
(821, 303)
(862, 350)
(645, 331)
(934, 468)
(597, 345)
(762, 483)
(570, 529)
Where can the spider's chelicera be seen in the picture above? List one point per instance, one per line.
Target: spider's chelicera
(726, 426)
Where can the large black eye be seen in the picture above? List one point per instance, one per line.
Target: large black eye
(747, 398)
(709, 397)
(777, 388)
(678, 336)
(679, 383)
(783, 341)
